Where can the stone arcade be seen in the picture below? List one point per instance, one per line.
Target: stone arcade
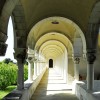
(66, 31)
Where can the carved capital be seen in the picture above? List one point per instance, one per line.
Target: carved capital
(3, 48)
(30, 59)
(76, 60)
(91, 57)
(20, 54)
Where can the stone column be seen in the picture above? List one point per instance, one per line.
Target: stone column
(38, 68)
(90, 70)
(35, 68)
(30, 69)
(20, 80)
(76, 68)
(19, 55)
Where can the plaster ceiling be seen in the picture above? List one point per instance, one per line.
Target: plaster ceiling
(77, 10)
(52, 49)
(64, 31)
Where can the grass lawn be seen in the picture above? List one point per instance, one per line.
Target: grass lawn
(6, 91)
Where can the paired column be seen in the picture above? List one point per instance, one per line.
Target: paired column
(38, 68)
(35, 68)
(76, 68)
(40, 64)
(90, 70)
(30, 69)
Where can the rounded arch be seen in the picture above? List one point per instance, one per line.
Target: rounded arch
(52, 48)
(50, 63)
(53, 36)
(4, 17)
(95, 13)
(64, 26)
(93, 27)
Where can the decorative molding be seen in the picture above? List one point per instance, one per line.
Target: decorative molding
(91, 56)
(76, 60)
(20, 54)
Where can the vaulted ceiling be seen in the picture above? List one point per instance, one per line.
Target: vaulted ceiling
(79, 11)
(35, 18)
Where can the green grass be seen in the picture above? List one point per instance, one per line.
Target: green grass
(6, 91)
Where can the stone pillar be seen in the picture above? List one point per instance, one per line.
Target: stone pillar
(19, 55)
(35, 68)
(20, 80)
(90, 70)
(30, 70)
(38, 68)
(76, 68)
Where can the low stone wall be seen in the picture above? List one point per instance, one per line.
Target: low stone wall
(82, 93)
(28, 90)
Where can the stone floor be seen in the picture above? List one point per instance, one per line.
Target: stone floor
(53, 87)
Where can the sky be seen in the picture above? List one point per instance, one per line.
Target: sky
(10, 42)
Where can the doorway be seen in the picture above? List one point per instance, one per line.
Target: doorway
(50, 63)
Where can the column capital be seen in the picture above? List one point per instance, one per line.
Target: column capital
(76, 60)
(20, 54)
(30, 59)
(91, 56)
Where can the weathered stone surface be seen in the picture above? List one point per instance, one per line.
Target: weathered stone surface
(13, 96)
(3, 37)
(91, 57)
(3, 48)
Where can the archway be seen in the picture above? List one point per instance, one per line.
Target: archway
(50, 63)
(66, 32)
(65, 27)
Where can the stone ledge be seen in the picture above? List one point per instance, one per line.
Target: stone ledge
(27, 92)
(30, 87)
(83, 94)
(13, 96)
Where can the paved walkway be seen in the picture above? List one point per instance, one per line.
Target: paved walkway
(53, 87)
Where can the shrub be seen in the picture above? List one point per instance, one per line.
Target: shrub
(13, 73)
(8, 74)
(4, 76)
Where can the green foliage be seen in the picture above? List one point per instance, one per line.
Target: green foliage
(8, 74)
(6, 91)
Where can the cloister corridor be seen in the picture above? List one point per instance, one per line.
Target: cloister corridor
(53, 87)
(65, 32)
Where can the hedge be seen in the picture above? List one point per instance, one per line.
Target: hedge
(8, 74)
